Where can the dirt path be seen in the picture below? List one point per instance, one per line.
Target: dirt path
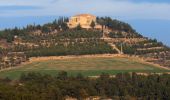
(35, 59)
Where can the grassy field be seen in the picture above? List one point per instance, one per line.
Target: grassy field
(86, 66)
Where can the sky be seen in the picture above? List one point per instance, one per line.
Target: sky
(149, 17)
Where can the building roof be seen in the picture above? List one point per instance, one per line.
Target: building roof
(84, 15)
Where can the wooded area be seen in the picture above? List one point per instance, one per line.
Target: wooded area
(35, 86)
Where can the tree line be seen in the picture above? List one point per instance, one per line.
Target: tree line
(36, 86)
(76, 48)
(58, 24)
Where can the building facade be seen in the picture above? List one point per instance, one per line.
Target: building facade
(84, 20)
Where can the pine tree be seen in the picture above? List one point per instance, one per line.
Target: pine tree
(92, 24)
(78, 27)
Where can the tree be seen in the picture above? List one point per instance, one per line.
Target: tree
(62, 75)
(92, 24)
(45, 29)
(78, 27)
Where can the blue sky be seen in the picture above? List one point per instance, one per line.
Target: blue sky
(149, 17)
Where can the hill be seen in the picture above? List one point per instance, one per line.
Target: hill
(57, 39)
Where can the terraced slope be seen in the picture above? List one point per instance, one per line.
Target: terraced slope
(56, 39)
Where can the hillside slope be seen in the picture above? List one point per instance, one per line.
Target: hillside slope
(56, 39)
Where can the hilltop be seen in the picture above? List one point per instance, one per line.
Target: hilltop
(101, 35)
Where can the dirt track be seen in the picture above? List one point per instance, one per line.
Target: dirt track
(35, 59)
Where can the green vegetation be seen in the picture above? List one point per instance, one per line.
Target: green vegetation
(92, 24)
(56, 79)
(90, 47)
(86, 66)
(117, 25)
(9, 34)
(80, 33)
(61, 26)
(70, 42)
(55, 39)
(35, 86)
(147, 46)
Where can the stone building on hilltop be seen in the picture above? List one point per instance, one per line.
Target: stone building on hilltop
(84, 20)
